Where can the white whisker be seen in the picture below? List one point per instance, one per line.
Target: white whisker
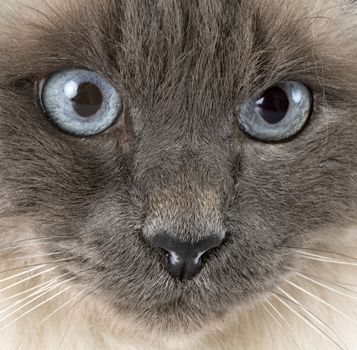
(307, 321)
(28, 278)
(31, 257)
(328, 260)
(273, 316)
(267, 321)
(61, 307)
(22, 246)
(340, 284)
(22, 273)
(278, 313)
(40, 290)
(26, 291)
(325, 286)
(314, 255)
(27, 266)
(305, 251)
(35, 298)
(306, 310)
(34, 308)
(323, 302)
(282, 318)
(324, 258)
(30, 240)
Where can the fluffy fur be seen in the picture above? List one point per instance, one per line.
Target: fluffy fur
(178, 162)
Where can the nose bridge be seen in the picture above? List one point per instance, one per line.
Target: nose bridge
(186, 210)
(184, 200)
(185, 189)
(185, 222)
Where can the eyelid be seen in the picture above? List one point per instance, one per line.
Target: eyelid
(38, 86)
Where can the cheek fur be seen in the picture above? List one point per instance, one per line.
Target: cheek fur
(74, 211)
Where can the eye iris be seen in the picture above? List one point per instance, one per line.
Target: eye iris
(86, 97)
(273, 105)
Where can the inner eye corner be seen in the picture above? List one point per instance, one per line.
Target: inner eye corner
(38, 82)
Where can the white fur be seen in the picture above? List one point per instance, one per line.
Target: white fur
(86, 323)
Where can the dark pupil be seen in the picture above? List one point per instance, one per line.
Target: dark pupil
(273, 105)
(88, 100)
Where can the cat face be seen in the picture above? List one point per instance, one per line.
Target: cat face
(176, 177)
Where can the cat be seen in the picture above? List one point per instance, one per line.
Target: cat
(178, 174)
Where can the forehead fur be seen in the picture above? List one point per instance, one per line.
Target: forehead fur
(154, 48)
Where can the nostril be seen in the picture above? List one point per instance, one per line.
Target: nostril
(174, 259)
(183, 268)
(184, 259)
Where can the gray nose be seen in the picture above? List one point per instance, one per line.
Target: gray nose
(184, 259)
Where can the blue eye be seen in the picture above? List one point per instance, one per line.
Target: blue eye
(80, 102)
(278, 113)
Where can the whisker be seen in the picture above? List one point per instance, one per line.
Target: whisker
(272, 315)
(35, 298)
(21, 246)
(61, 307)
(39, 264)
(71, 324)
(328, 260)
(85, 296)
(339, 284)
(28, 278)
(282, 318)
(306, 320)
(38, 327)
(325, 286)
(278, 313)
(314, 255)
(31, 257)
(22, 273)
(322, 251)
(309, 312)
(274, 319)
(26, 291)
(76, 303)
(34, 308)
(323, 302)
(40, 290)
(41, 239)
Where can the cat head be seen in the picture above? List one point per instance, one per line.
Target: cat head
(186, 204)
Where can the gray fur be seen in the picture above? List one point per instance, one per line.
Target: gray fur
(178, 161)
